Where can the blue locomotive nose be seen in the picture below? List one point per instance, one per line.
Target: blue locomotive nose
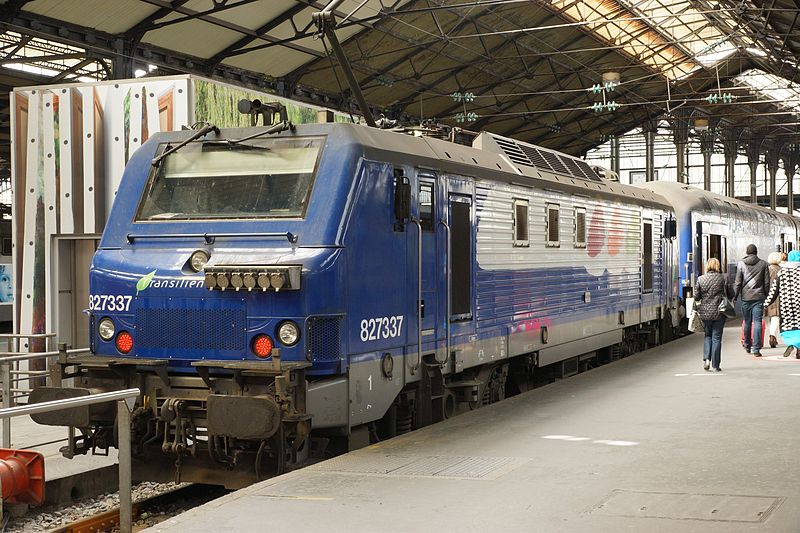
(223, 257)
(239, 302)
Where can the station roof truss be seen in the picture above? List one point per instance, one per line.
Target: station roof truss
(564, 74)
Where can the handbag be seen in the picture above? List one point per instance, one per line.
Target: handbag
(696, 323)
(726, 307)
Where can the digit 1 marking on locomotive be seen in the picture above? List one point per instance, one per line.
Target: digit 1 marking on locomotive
(369, 379)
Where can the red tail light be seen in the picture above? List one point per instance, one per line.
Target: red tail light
(262, 346)
(124, 342)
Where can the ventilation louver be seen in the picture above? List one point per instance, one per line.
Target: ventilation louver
(513, 151)
(531, 156)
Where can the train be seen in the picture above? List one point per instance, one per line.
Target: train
(286, 291)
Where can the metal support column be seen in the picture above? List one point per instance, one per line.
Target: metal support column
(5, 375)
(649, 148)
(124, 447)
(615, 162)
(753, 159)
(791, 159)
(680, 136)
(707, 140)
(730, 145)
(772, 158)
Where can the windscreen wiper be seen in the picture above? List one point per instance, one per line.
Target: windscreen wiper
(277, 128)
(199, 133)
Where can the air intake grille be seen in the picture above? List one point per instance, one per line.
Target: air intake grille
(324, 338)
(587, 170)
(535, 156)
(555, 162)
(531, 156)
(573, 167)
(191, 329)
(513, 151)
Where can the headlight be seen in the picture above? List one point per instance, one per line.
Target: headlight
(277, 280)
(288, 333)
(105, 328)
(198, 260)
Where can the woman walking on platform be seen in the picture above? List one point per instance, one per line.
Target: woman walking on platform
(772, 311)
(708, 293)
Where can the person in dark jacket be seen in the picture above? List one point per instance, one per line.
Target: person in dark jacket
(786, 286)
(752, 283)
(708, 292)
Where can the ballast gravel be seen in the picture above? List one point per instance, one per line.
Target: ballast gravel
(46, 518)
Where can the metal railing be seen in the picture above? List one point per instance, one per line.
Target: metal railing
(125, 400)
(12, 376)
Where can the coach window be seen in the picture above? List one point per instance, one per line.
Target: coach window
(647, 257)
(521, 222)
(580, 227)
(552, 226)
(426, 207)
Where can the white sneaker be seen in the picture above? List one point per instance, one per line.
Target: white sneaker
(706, 364)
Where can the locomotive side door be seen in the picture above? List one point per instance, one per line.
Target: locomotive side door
(460, 279)
(429, 206)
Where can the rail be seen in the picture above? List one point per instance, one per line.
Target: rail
(125, 400)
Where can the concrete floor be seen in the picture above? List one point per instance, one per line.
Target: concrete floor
(649, 443)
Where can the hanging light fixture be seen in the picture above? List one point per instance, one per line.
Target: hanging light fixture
(701, 124)
(610, 80)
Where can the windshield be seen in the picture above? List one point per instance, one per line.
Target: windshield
(265, 178)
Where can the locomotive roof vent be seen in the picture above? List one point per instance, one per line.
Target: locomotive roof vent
(529, 155)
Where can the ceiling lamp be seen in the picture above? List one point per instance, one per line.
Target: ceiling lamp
(701, 124)
(610, 80)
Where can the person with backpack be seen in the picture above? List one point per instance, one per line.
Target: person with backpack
(786, 288)
(752, 282)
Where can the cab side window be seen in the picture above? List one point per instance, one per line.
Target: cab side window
(426, 206)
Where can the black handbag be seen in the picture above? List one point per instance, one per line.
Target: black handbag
(726, 307)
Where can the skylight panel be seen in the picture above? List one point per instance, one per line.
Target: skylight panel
(770, 87)
(616, 23)
(688, 28)
(671, 36)
(48, 58)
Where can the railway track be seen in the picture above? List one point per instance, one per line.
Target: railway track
(158, 507)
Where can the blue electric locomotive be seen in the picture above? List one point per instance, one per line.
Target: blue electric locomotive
(270, 288)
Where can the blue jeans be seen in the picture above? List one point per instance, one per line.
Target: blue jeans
(712, 343)
(753, 313)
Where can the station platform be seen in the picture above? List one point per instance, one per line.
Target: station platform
(66, 479)
(649, 443)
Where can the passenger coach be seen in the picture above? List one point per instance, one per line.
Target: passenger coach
(711, 225)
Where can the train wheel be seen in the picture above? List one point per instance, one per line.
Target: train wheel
(271, 456)
(494, 388)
